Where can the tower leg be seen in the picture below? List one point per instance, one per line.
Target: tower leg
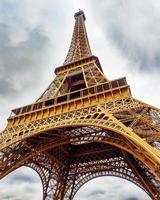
(54, 176)
(59, 186)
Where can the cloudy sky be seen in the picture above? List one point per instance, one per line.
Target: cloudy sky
(34, 39)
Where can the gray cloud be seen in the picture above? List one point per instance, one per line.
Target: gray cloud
(20, 178)
(96, 194)
(108, 188)
(24, 183)
(134, 27)
(20, 64)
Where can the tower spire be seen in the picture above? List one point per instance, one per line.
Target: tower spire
(79, 47)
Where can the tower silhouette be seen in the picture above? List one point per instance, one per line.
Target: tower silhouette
(84, 126)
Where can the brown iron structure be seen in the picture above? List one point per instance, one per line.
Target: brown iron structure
(84, 126)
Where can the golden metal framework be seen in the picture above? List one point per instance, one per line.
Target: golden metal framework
(84, 126)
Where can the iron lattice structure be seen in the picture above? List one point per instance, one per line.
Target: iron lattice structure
(84, 126)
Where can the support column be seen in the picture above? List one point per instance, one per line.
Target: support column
(60, 185)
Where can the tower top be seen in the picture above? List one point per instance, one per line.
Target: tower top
(80, 13)
(79, 47)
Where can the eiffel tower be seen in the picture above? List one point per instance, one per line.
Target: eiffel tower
(82, 127)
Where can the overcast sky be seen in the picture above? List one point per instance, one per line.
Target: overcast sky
(34, 39)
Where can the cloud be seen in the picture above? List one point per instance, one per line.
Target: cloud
(134, 28)
(108, 188)
(23, 183)
(19, 65)
(96, 194)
